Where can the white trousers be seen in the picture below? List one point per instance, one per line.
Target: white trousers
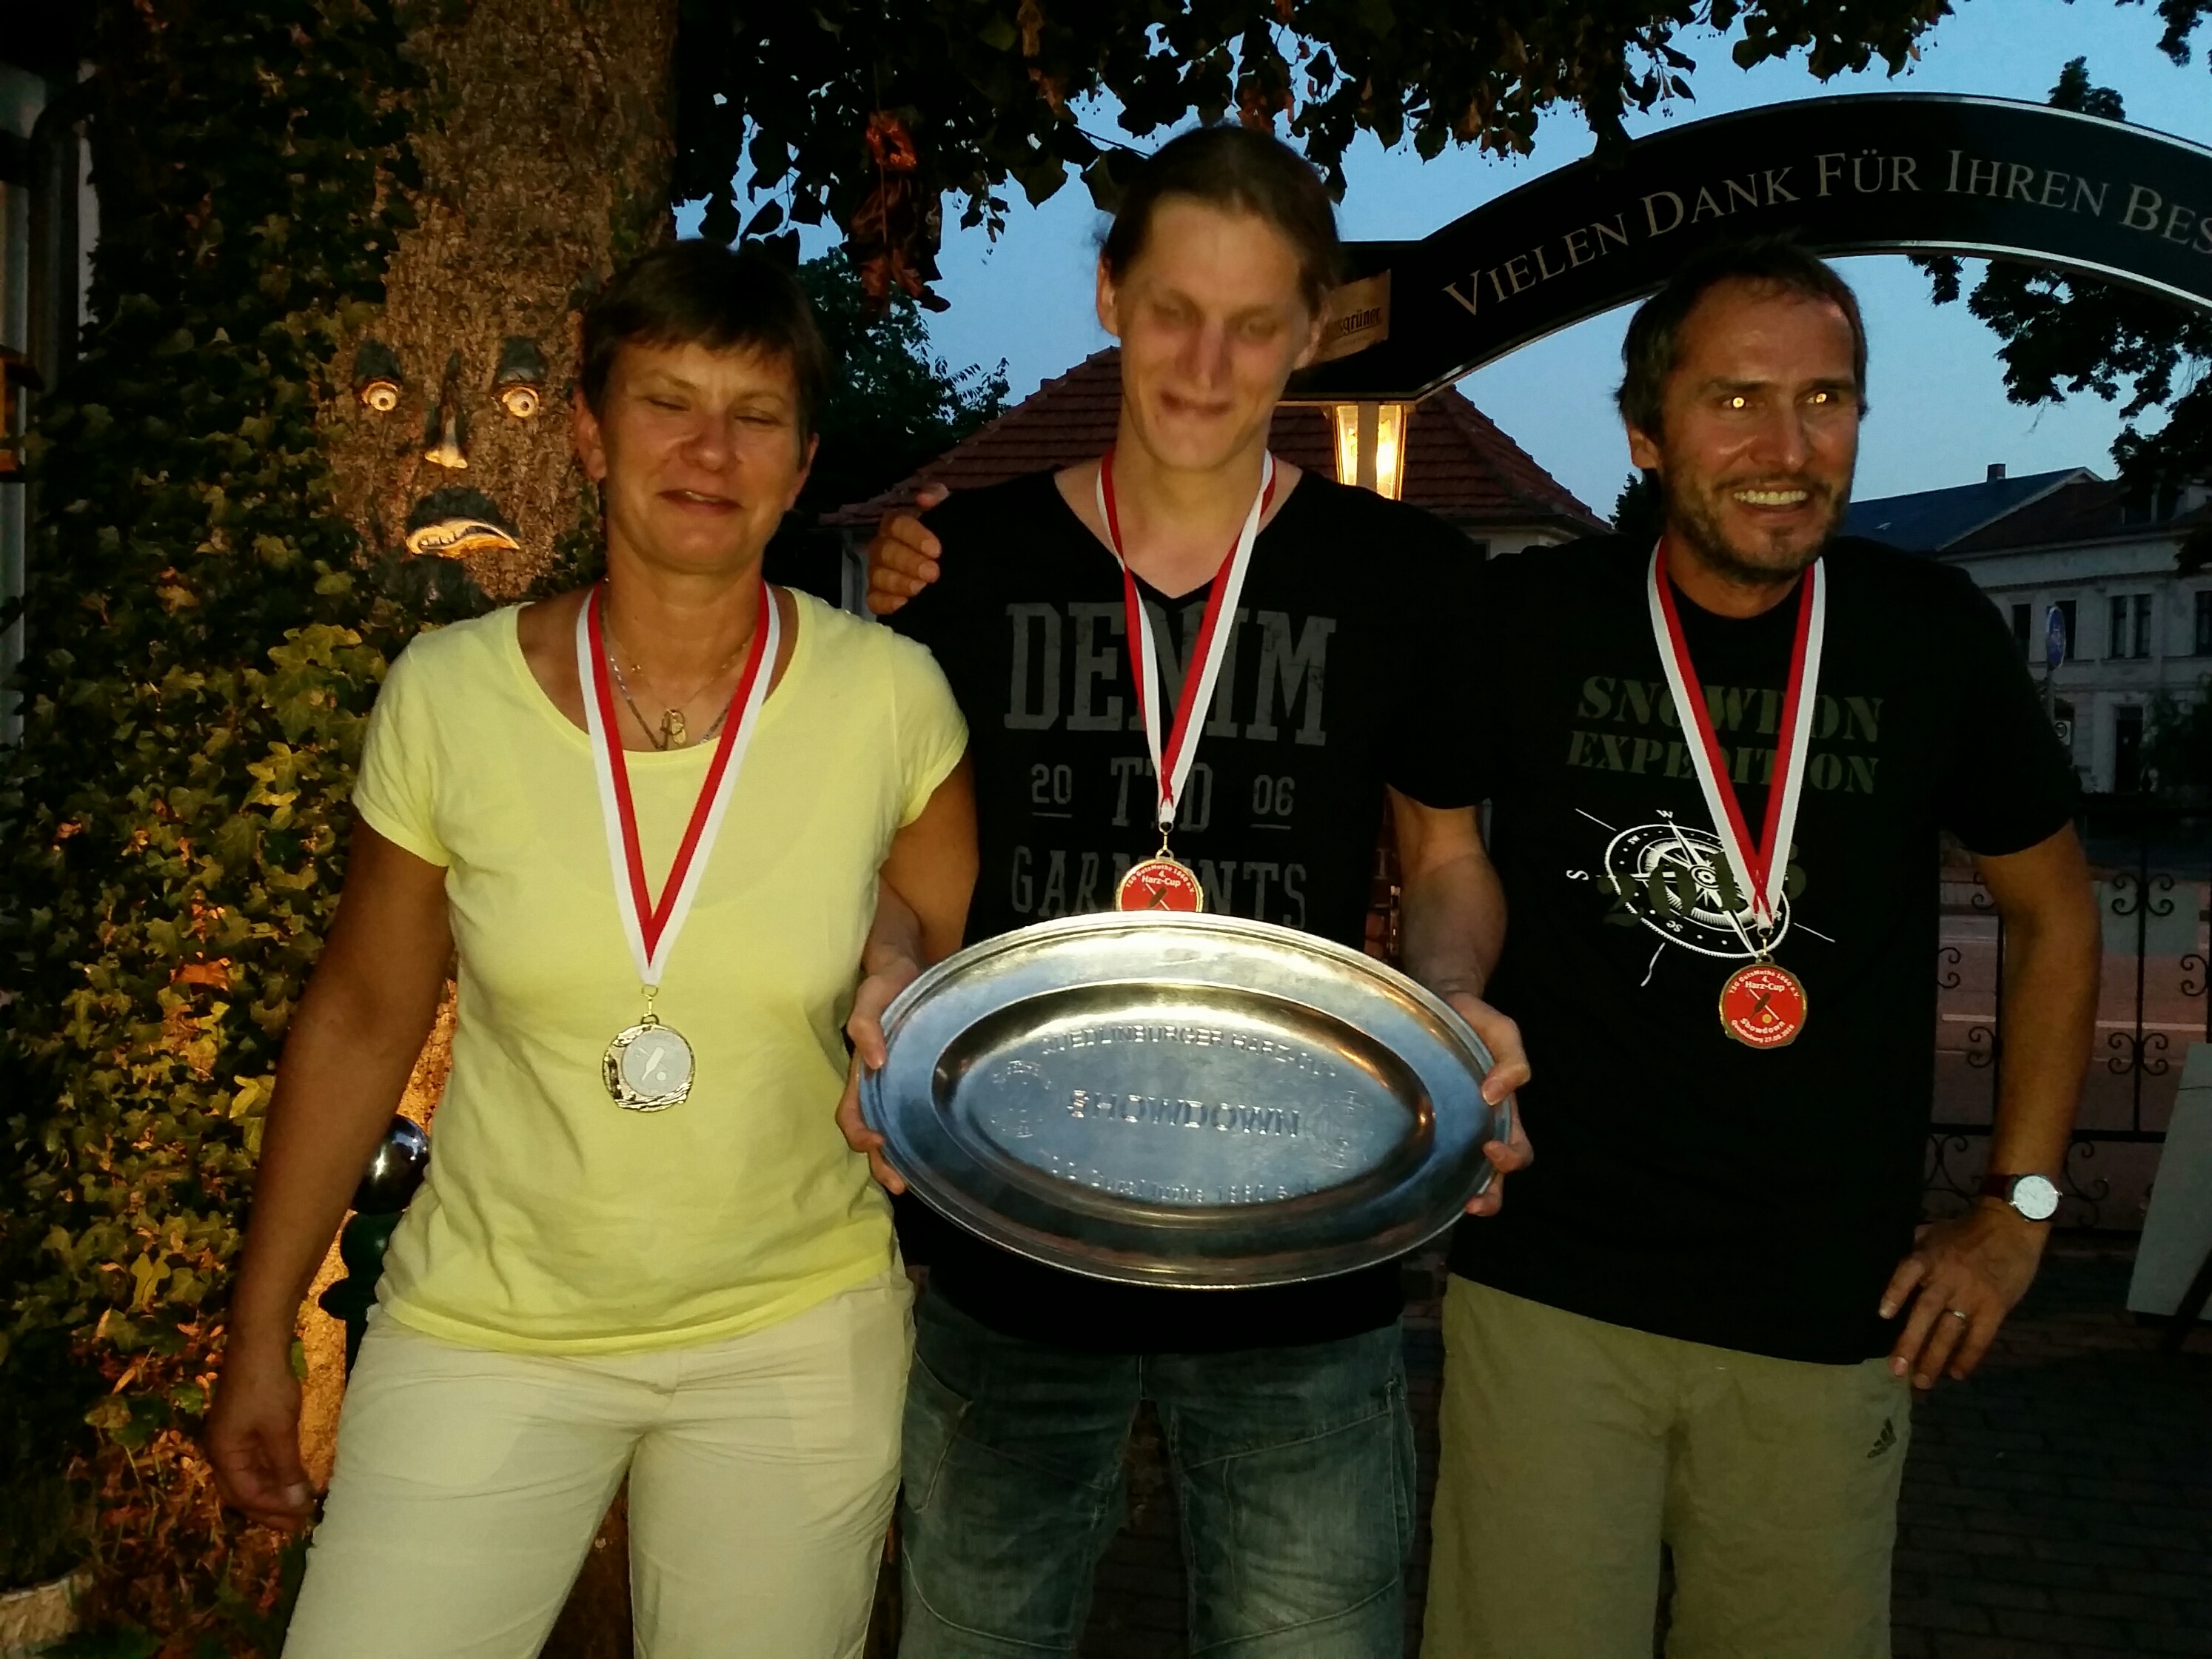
(469, 1485)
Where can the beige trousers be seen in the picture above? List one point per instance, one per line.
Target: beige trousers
(1572, 1448)
(469, 1485)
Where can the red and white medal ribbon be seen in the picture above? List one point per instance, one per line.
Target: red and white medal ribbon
(652, 927)
(1760, 867)
(1172, 755)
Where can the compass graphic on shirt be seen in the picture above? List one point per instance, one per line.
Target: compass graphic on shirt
(1676, 881)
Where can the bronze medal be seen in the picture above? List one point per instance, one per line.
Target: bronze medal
(1163, 882)
(1763, 1005)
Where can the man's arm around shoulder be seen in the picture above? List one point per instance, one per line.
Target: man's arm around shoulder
(902, 555)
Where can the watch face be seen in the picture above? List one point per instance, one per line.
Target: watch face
(2035, 1197)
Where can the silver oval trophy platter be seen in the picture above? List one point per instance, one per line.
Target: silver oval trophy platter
(1187, 1101)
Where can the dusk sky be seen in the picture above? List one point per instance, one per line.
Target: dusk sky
(1939, 416)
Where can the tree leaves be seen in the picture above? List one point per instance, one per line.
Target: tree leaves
(893, 405)
(988, 88)
(2066, 335)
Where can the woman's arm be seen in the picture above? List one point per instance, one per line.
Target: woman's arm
(347, 1058)
(921, 911)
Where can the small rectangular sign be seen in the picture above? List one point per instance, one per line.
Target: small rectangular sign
(1358, 316)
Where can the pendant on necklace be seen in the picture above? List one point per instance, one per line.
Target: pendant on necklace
(673, 731)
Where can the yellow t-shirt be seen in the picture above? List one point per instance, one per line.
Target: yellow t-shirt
(553, 1220)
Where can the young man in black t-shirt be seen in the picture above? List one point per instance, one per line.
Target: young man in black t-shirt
(1687, 1326)
(1340, 686)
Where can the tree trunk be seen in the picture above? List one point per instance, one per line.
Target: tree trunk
(543, 136)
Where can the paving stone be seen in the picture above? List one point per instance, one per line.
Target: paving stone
(2058, 1505)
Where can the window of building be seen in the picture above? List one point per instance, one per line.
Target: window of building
(2023, 624)
(2130, 630)
(2203, 597)
(2127, 750)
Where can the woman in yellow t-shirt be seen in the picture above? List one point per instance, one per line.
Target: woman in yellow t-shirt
(663, 822)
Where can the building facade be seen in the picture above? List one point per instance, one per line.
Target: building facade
(2134, 619)
(48, 219)
(1457, 463)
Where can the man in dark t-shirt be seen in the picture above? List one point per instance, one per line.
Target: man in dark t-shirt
(1717, 771)
(1330, 693)
(1339, 688)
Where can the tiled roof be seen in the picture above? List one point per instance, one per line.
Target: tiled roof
(1935, 520)
(1458, 464)
(2089, 511)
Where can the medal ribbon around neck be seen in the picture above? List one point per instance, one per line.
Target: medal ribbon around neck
(1761, 867)
(651, 928)
(1171, 760)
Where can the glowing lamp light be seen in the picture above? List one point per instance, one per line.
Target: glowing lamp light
(1370, 445)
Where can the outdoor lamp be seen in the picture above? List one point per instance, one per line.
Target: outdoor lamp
(1370, 445)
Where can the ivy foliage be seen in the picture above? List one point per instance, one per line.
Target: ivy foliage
(988, 91)
(202, 651)
(2067, 335)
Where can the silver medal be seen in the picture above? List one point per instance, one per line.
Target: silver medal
(648, 1068)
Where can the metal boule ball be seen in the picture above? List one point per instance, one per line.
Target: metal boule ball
(395, 1169)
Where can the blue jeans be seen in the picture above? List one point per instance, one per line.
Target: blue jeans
(1293, 1471)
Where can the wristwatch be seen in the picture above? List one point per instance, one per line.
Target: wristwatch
(2034, 1196)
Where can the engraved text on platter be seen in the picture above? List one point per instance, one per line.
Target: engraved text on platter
(1086, 1104)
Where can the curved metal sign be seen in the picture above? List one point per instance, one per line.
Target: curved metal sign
(1906, 172)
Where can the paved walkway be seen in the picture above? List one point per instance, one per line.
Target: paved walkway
(2058, 1506)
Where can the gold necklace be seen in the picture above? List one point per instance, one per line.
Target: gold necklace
(673, 731)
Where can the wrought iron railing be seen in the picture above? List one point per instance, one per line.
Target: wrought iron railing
(2153, 863)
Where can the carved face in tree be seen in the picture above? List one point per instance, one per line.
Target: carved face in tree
(454, 456)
